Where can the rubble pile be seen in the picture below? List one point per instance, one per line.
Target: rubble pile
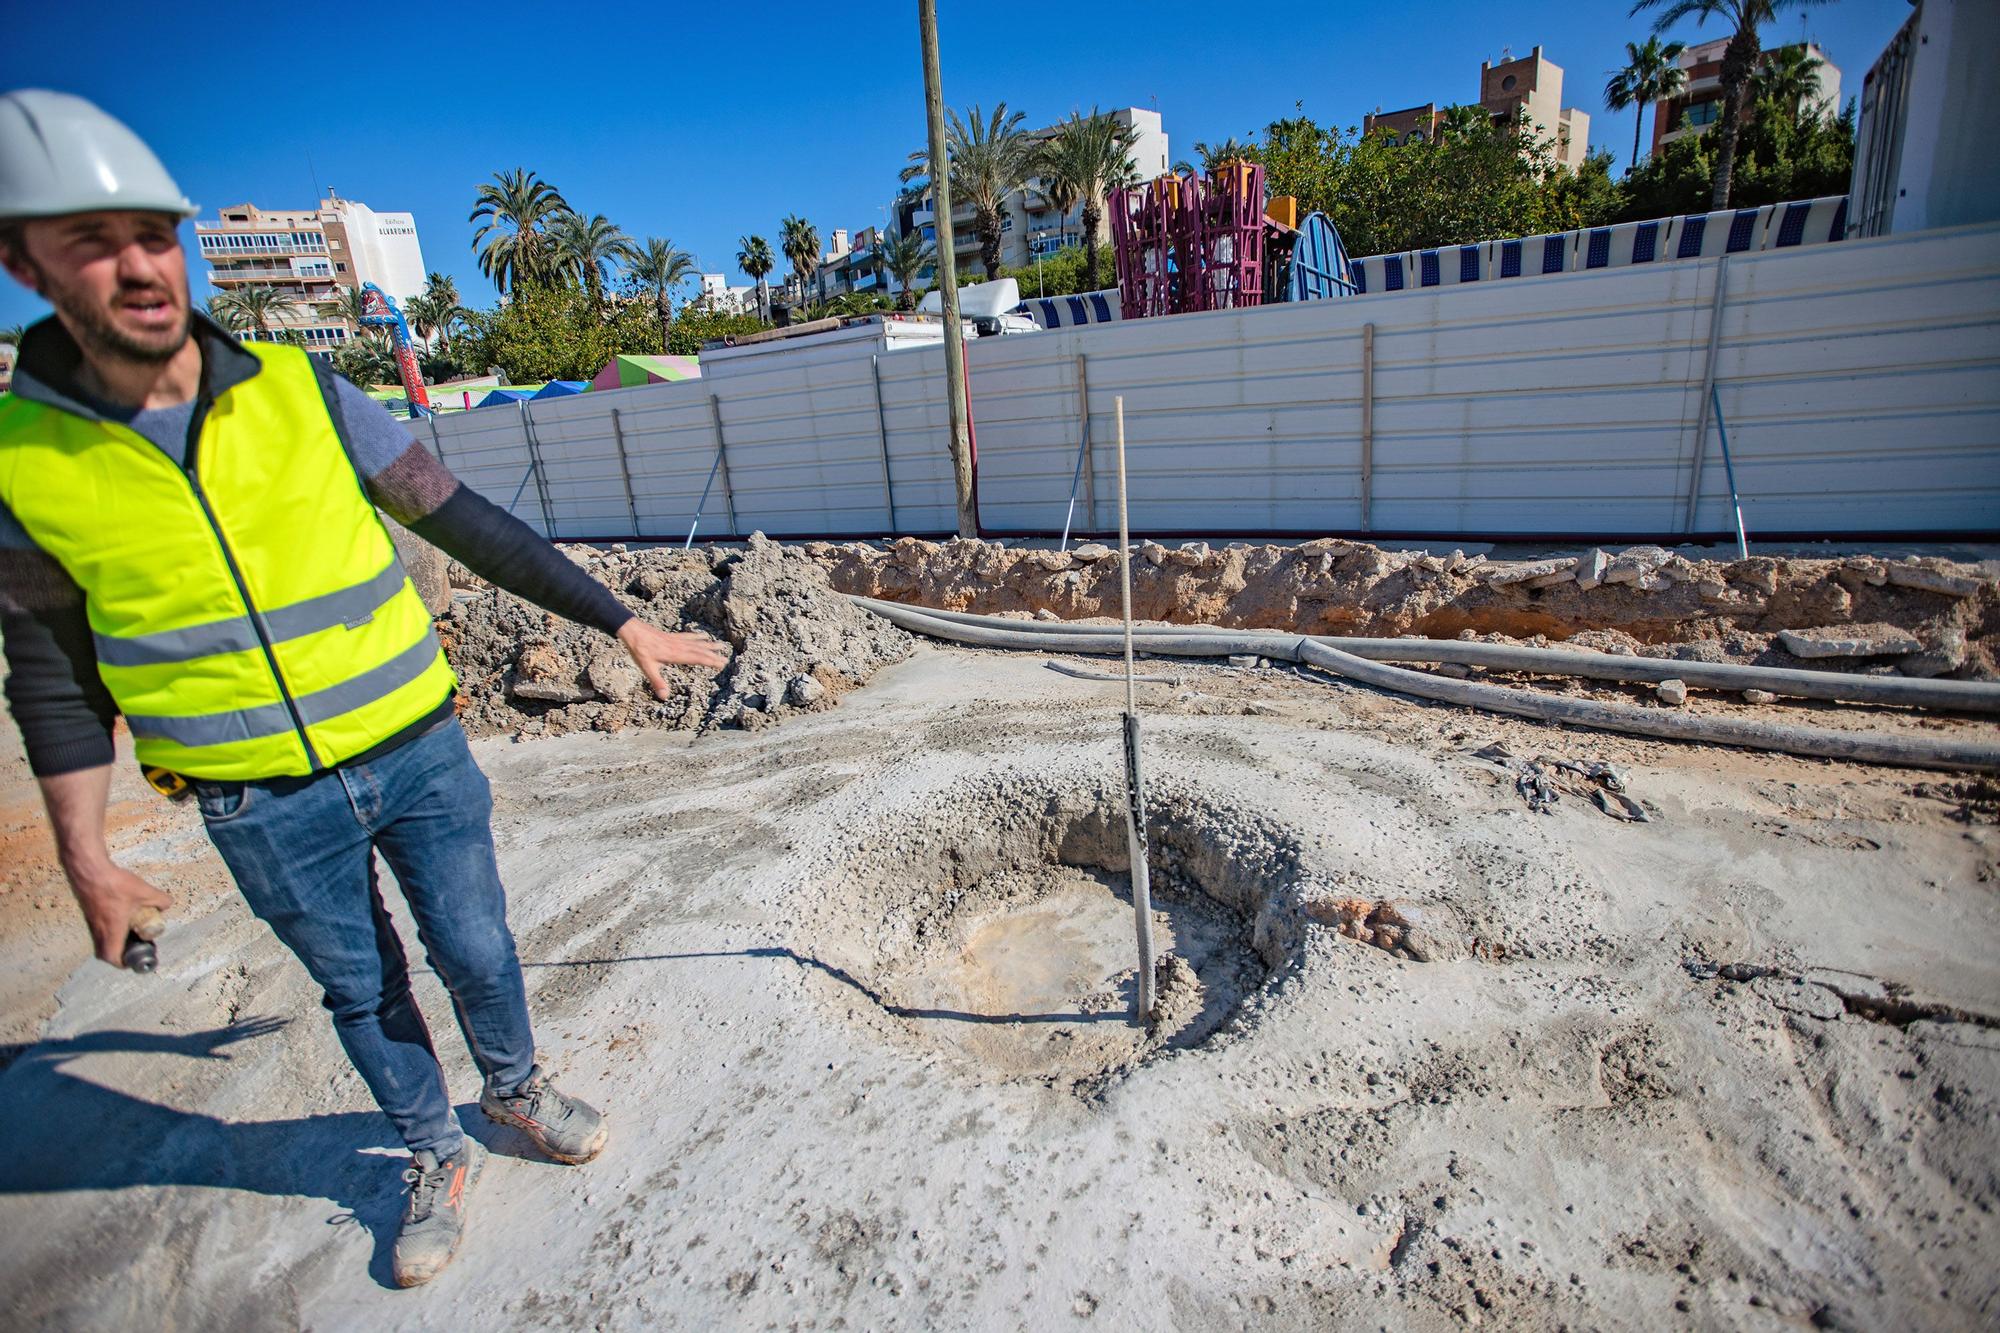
(1918, 616)
(795, 644)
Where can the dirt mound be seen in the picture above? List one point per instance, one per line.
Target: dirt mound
(797, 645)
(1643, 599)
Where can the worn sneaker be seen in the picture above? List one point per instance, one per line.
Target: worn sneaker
(561, 1126)
(434, 1218)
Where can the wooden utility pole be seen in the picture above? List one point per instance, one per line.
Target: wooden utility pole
(947, 270)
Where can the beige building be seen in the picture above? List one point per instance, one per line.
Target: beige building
(1530, 88)
(314, 257)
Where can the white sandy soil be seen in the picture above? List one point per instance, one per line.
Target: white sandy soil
(852, 991)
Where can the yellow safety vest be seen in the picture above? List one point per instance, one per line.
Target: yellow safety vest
(250, 617)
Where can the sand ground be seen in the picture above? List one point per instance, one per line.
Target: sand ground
(851, 990)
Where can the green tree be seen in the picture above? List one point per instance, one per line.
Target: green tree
(1652, 74)
(1485, 180)
(515, 209)
(1085, 159)
(226, 313)
(1781, 156)
(694, 326)
(905, 254)
(586, 249)
(1463, 120)
(754, 257)
(347, 304)
(1788, 78)
(659, 267)
(561, 333)
(12, 335)
(799, 240)
(367, 359)
(988, 158)
(1064, 273)
(1739, 62)
(257, 307)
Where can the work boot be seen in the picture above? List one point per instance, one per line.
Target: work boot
(563, 1127)
(434, 1218)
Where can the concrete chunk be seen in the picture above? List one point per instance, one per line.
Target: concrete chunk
(1513, 574)
(1849, 641)
(1925, 579)
(1672, 692)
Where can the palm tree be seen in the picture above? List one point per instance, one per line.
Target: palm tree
(989, 158)
(225, 313)
(1739, 63)
(1086, 158)
(1652, 74)
(517, 206)
(657, 264)
(256, 307)
(442, 290)
(754, 257)
(799, 240)
(1789, 78)
(588, 248)
(428, 317)
(347, 303)
(367, 359)
(1213, 156)
(12, 336)
(906, 254)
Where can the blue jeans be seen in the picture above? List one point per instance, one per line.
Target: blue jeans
(302, 851)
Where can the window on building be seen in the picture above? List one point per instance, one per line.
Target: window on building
(340, 268)
(1393, 141)
(1415, 136)
(1507, 84)
(1701, 113)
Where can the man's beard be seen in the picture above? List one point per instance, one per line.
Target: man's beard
(92, 327)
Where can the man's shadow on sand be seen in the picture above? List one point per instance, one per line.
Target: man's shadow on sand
(74, 1135)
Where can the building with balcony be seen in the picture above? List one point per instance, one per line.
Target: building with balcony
(314, 257)
(1031, 223)
(1529, 89)
(1700, 105)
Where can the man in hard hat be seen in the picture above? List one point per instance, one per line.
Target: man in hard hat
(189, 538)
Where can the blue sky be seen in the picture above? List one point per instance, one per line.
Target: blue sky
(702, 123)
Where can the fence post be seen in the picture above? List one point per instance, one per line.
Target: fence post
(535, 470)
(1367, 427)
(1086, 447)
(722, 462)
(1707, 391)
(882, 435)
(625, 471)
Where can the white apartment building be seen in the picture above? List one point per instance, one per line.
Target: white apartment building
(313, 257)
(718, 295)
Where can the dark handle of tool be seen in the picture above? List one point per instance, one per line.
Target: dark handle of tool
(141, 955)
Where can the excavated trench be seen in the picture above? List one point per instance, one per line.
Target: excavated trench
(994, 927)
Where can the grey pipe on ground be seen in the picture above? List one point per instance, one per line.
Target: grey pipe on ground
(1969, 696)
(1865, 747)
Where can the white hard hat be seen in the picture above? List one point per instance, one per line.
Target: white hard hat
(60, 154)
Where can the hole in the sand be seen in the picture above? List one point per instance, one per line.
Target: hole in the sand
(999, 929)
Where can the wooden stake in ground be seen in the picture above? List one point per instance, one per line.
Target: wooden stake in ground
(947, 273)
(1135, 788)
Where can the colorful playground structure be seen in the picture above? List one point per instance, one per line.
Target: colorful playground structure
(378, 311)
(1185, 243)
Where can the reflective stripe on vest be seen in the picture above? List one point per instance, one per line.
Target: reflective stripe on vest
(249, 615)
